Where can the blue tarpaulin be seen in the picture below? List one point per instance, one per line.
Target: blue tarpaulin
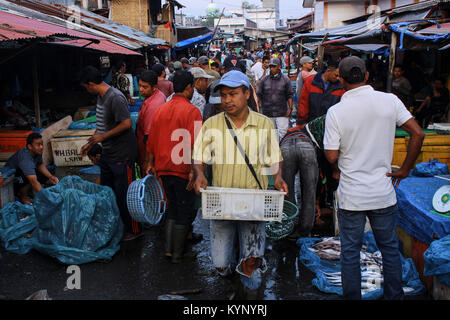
(410, 276)
(437, 260)
(189, 43)
(417, 217)
(74, 221)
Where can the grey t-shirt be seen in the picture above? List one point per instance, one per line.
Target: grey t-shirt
(111, 110)
(24, 161)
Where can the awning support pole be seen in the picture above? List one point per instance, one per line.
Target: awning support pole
(392, 59)
(37, 108)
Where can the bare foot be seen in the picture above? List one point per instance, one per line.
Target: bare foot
(26, 201)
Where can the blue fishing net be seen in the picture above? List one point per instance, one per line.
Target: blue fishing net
(74, 221)
(410, 276)
(437, 260)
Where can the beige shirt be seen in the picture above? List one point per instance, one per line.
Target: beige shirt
(215, 145)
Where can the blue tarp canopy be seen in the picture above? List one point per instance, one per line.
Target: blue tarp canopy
(189, 43)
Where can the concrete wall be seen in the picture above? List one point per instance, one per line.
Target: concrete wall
(341, 11)
(264, 18)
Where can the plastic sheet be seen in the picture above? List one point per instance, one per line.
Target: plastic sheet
(437, 260)
(16, 221)
(74, 221)
(417, 217)
(430, 169)
(313, 262)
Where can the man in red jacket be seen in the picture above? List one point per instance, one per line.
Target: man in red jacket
(169, 149)
(319, 93)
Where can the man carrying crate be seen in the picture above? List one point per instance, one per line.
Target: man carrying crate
(256, 141)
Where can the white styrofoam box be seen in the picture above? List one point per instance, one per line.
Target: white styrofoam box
(66, 151)
(242, 204)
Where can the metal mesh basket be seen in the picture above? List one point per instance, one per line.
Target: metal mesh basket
(145, 200)
(279, 230)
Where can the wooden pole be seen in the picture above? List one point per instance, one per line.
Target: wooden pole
(320, 52)
(392, 59)
(37, 108)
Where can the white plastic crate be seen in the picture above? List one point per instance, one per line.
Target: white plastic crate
(242, 204)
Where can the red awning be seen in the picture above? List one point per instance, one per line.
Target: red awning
(104, 45)
(15, 27)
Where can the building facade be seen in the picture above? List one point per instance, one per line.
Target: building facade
(331, 13)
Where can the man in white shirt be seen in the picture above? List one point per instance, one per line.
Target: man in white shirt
(359, 137)
(261, 68)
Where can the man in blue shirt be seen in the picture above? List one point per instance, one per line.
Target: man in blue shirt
(30, 168)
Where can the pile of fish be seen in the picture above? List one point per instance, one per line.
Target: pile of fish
(371, 265)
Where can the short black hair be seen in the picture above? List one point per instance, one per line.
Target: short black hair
(95, 150)
(149, 76)
(355, 76)
(215, 64)
(331, 65)
(90, 74)
(399, 66)
(266, 58)
(120, 64)
(33, 136)
(181, 80)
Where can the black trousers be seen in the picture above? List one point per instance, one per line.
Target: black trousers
(118, 175)
(23, 181)
(180, 206)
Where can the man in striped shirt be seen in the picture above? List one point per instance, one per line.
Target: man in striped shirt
(215, 145)
(119, 143)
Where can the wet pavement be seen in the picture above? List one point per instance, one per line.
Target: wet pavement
(139, 270)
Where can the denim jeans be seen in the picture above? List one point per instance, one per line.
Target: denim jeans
(299, 156)
(252, 239)
(351, 229)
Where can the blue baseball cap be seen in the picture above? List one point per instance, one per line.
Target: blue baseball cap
(233, 79)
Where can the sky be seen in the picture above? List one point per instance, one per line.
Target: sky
(288, 8)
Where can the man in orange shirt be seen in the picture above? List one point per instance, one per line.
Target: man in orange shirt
(154, 98)
(169, 156)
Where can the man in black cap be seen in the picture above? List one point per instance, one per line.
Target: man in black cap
(275, 94)
(359, 139)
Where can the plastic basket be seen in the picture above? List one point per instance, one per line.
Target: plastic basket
(242, 204)
(145, 200)
(279, 230)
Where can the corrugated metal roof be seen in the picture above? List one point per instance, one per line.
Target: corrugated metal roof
(344, 31)
(38, 16)
(14, 27)
(94, 21)
(104, 45)
(442, 28)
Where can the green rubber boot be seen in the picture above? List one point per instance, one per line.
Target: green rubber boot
(179, 238)
(168, 231)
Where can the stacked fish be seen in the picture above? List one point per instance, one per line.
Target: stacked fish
(371, 265)
(328, 248)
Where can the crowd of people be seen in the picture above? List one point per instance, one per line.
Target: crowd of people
(205, 122)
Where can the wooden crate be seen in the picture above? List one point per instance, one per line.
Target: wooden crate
(434, 146)
(414, 249)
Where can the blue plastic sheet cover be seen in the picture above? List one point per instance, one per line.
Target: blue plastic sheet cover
(437, 260)
(17, 220)
(188, 43)
(415, 201)
(410, 276)
(75, 221)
